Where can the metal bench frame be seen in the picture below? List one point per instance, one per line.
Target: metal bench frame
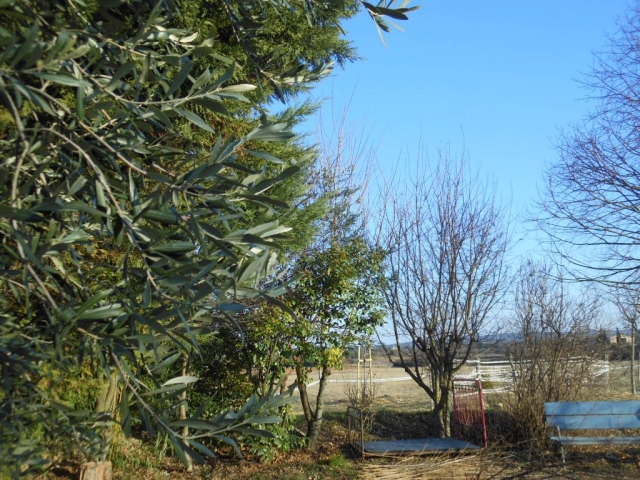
(604, 415)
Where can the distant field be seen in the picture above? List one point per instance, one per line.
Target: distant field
(397, 392)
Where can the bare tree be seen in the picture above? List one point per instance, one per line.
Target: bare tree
(591, 197)
(628, 302)
(446, 238)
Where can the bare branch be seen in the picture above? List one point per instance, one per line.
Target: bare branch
(590, 209)
(446, 237)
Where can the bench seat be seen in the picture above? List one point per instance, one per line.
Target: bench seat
(585, 416)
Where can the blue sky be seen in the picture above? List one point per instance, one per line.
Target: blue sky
(498, 78)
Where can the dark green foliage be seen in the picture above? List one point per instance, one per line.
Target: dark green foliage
(340, 289)
(116, 247)
(284, 439)
(135, 211)
(223, 371)
(284, 45)
(235, 364)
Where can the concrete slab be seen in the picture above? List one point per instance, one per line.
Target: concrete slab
(424, 446)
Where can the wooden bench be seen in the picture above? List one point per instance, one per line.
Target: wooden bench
(606, 415)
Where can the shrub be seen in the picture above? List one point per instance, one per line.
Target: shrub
(553, 356)
(283, 437)
(362, 395)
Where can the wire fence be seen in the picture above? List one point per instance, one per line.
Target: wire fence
(497, 375)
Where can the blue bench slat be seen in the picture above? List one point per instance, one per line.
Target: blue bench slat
(597, 440)
(605, 415)
(593, 408)
(593, 422)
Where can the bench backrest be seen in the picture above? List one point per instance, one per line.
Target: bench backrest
(593, 415)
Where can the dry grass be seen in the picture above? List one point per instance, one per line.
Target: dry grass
(620, 464)
(401, 395)
(403, 414)
(480, 466)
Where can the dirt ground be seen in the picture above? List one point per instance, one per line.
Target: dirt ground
(336, 460)
(402, 413)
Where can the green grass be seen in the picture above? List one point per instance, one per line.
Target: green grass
(338, 461)
(334, 467)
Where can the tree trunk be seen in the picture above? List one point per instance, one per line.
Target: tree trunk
(313, 428)
(633, 353)
(106, 405)
(441, 412)
(313, 417)
(313, 432)
(304, 396)
(183, 415)
(441, 415)
(445, 415)
(96, 471)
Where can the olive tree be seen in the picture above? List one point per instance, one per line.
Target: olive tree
(445, 236)
(123, 236)
(115, 252)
